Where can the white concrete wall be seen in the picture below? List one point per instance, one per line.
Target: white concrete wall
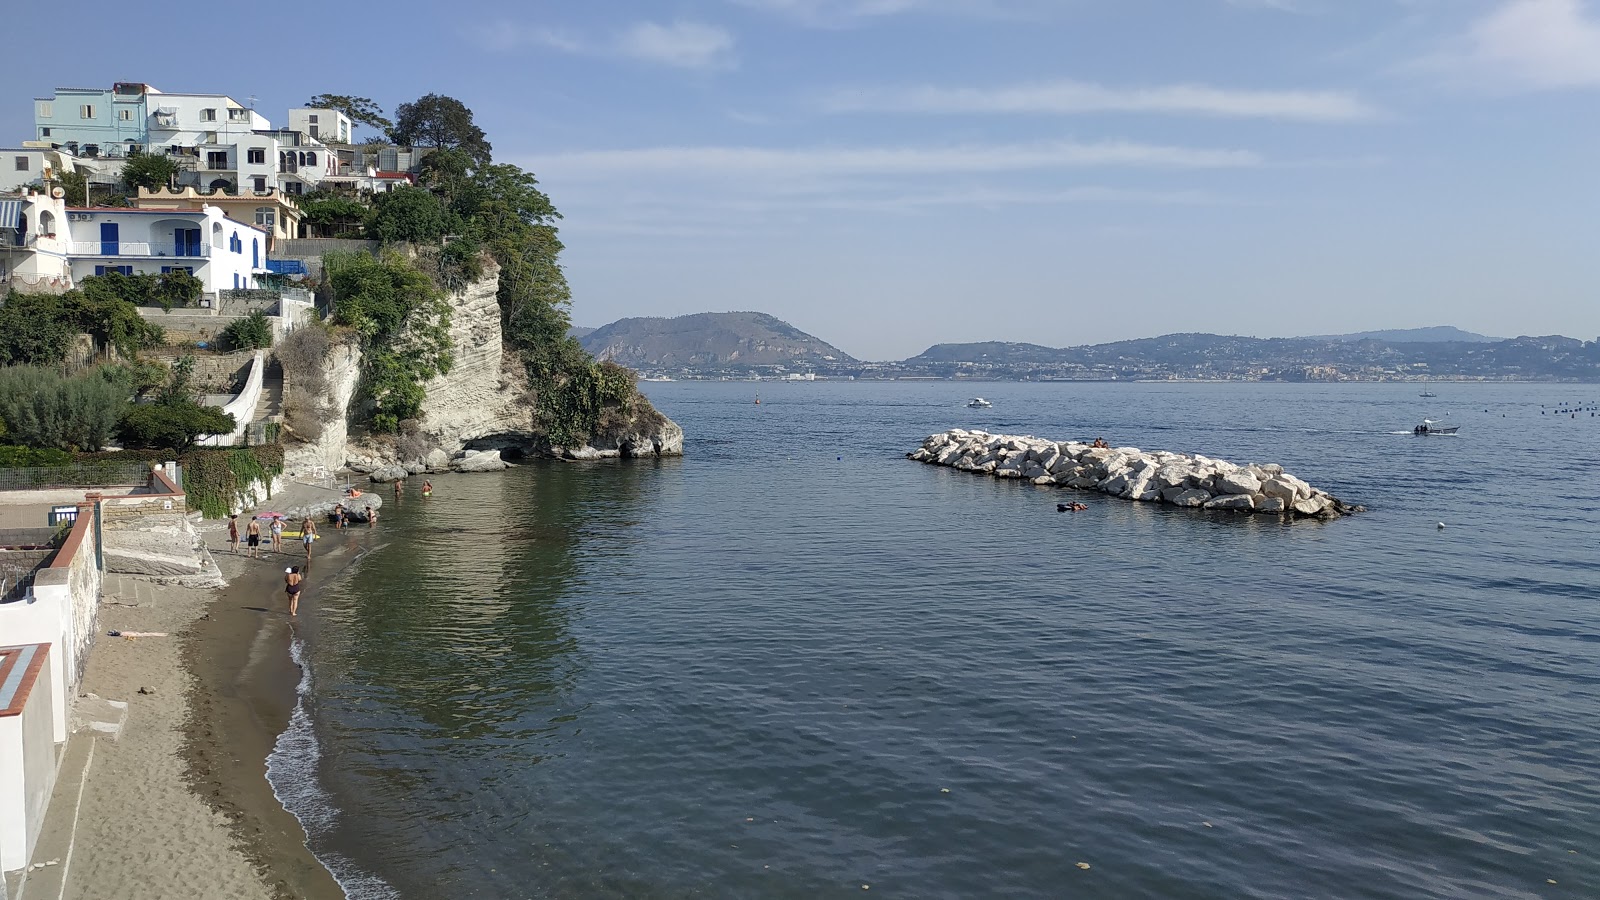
(242, 407)
(27, 773)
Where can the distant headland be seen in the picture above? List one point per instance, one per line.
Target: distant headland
(742, 345)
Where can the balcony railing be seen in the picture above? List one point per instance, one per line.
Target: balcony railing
(131, 248)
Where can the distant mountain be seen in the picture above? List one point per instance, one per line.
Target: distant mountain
(1437, 334)
(711, 341)
(579, 332)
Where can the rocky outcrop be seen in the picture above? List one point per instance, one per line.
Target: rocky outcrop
(1177, 479)
(330, 449)
(484, 403)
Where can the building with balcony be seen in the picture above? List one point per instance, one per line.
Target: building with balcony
(270, 210)
(46, 245)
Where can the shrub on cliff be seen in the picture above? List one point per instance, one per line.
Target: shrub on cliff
(404, 326)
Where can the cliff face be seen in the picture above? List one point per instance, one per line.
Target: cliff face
(329, 450)
(485, 397)
(483, 403)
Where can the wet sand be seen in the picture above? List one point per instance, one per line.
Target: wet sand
(242, 697)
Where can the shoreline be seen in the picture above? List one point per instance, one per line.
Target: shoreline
(243, 691)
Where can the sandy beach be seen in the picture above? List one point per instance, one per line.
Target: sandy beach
(178, 805)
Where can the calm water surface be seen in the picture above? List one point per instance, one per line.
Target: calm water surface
(793, 663)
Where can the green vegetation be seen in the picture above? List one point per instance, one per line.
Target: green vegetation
(148, 171)
(439, 121)
(32, 457)
(76, 184)
(214, 480)
(37, 329)
(410, 214)
(253, 332)
(361, 110)
(403, 322)
(331, 215)
(43, 409)
(175, 420)
(169, 289)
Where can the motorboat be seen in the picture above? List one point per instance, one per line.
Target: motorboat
(1427, 394)
(979, 403)
(1429, 426)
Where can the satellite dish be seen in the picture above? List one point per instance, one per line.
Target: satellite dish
(57, 193)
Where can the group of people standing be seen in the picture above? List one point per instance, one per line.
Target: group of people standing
(253, 535)
(294, 577)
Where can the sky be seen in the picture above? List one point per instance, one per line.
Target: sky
(891, 174)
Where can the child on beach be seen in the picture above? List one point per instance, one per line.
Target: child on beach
(233, 532)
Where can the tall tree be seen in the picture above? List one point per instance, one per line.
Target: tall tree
(440, 121)
(361, 110)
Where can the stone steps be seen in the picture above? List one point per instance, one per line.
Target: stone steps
(128, 590)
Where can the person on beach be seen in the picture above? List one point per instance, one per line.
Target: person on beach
(308, 533)
(277, 535)
(253, 538)
(338, 515)
(372, 516)
(233, 532)
(399, 488)
(427, 488)
(291, 586)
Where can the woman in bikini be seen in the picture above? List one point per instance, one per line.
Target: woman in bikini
(291, 586)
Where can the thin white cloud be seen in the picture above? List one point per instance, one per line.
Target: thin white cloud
(729, 162)
(842, 13)
(1526, 45)
(1294, 6)
(683, 45)
(1077, 97)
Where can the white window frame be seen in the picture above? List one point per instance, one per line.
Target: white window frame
(47, 109)
(208, 115)
(257, 156)
(125, 115)
(86, 110)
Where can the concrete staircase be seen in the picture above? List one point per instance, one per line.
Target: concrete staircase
(270, 407)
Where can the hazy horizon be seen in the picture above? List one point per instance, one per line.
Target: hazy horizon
(892, 174)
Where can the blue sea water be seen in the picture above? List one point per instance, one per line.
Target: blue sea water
(795, 664)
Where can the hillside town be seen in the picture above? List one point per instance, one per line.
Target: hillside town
(227, 212)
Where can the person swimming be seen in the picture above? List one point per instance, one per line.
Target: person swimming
(427, 488)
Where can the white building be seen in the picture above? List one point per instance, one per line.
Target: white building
(44, 242)
(326, 125)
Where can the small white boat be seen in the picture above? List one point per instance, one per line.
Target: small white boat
(1427, 394)
(1429, 426)
(979, 403)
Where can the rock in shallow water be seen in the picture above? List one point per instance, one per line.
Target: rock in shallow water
(1128, 472)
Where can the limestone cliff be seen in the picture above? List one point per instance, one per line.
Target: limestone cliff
(484, 403)
(485, 397)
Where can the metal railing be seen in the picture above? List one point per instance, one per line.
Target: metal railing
(74, 476)
(131, 248)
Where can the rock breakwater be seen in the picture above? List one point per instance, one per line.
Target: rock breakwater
(1177, 479)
